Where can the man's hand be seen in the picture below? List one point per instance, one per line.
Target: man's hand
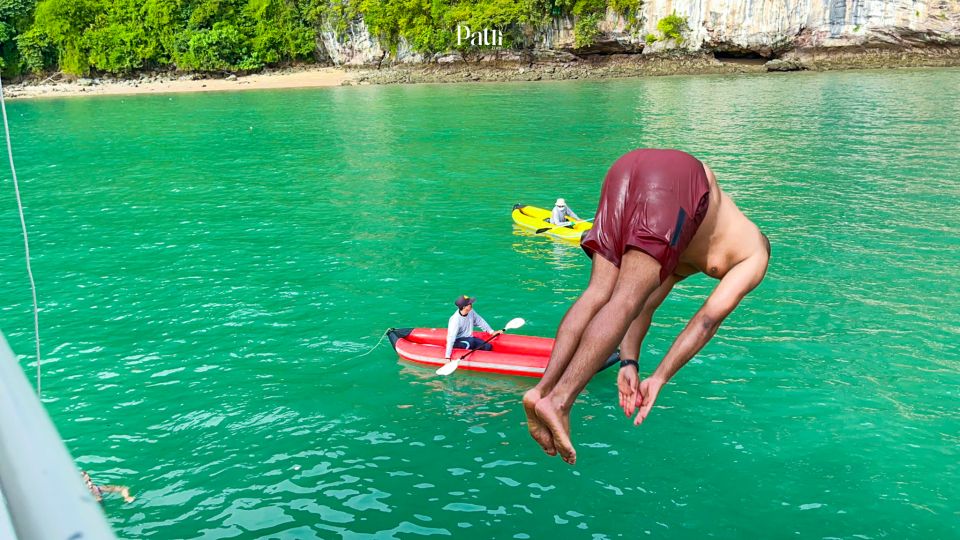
(627, 381)
(646, 396)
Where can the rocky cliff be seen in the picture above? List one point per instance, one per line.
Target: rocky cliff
(749, 28)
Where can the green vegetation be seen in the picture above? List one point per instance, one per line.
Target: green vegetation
(586, 30)
(121, 36)
(16, 16)
(626, 7)
(589, 13)
(80, 37)
(672, 27)
(629, 10)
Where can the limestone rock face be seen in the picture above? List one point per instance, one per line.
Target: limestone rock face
(758, 28)
(769, 26)
(784, 65)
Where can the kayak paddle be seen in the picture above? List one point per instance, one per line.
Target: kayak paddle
(571, 224)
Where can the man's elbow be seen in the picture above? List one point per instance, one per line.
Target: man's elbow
(708, 324)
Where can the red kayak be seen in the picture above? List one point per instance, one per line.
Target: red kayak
(511, 355)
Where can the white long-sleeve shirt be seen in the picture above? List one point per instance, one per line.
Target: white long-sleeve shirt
(462, 326)
(559, 215)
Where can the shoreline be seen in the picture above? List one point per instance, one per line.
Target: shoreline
(455, 68)
(168, 83)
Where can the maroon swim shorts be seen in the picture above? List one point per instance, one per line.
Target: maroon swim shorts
(652, 200)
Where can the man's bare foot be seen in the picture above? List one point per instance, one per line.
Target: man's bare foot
(538, 430)
(558, 422)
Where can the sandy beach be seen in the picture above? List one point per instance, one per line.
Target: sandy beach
(61, 86)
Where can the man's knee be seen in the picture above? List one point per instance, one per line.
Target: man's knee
(596, 296)
(603, 279)
(631, 297)
(630, 301)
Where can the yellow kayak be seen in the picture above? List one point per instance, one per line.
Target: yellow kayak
(538, 219)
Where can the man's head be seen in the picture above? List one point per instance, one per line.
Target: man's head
(465, 304)
(561, 203)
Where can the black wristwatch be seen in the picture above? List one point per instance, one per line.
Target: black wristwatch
(634, 363)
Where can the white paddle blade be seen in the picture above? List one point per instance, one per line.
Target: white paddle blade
(514, 324)
(449, 367)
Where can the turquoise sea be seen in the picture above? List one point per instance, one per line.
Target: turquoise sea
(210, 267)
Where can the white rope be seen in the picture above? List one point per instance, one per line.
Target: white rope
(23, 225)
(370, 351)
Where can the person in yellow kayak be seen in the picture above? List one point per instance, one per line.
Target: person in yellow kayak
(561, 212)
(460, 328)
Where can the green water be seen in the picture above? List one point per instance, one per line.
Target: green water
(209, 265)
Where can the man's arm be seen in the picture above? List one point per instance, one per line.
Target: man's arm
(628, 377)
(482, 323)
(739, 281)
(571, 213)
(452, 328)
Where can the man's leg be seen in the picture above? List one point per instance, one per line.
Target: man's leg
(639, 276)
(478, 344)
(471, 343)
(603, 277)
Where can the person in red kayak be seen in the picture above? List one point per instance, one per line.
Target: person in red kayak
(662, 217)
(460, 328)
